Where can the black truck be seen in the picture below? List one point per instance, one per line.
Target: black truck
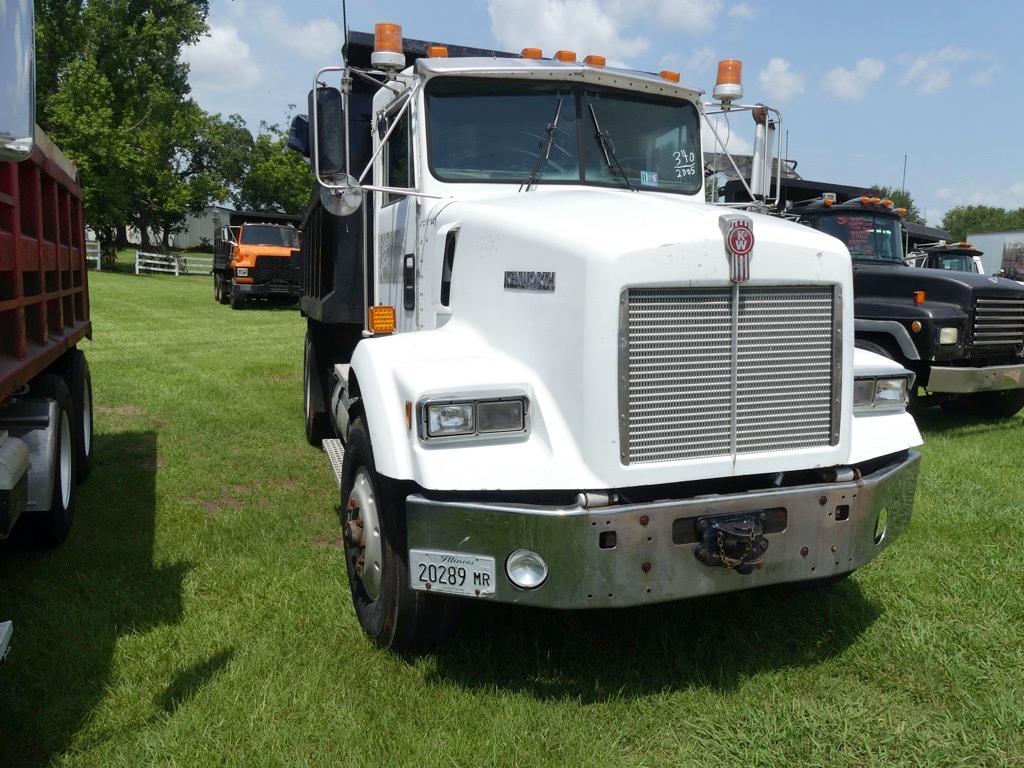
(962, 333)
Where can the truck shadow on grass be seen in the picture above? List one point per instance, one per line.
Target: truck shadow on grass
(936, 421)
(712, 642)
(71, 605)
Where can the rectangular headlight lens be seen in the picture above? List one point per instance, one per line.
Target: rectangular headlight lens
(891, 391)
(242, 271)
(450, 419)
(500, 416)
(863, 392)
(949, 335)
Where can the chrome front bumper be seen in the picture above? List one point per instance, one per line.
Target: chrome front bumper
(966, 380)
(646, 564)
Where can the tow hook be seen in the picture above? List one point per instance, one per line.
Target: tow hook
(737, 541)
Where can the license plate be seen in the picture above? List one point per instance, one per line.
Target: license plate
(453, 573)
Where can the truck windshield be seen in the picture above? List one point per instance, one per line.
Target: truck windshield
(869, 237)
(958, 262)
(269, 234)
(492, 131)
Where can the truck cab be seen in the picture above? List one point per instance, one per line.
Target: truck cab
(546, 372)
(961, 332)
(255, 259)
(956, 257)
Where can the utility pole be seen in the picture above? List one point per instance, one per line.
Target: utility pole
(903, 184)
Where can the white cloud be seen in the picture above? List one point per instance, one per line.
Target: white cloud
(985, 76)
(736, 143)
(700, 60)
(742, 11)
(852, 84)
(580, 25)
(932, 71)
(221, 62)
(317, 40)
(779, 81)
(687, 15)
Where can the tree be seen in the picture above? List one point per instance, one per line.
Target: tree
(278, 179)
(901, 198)
(967, 219)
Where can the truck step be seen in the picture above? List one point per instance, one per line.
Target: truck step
(336, 453)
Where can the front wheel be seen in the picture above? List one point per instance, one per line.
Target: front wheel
(987, 405)
(316, 422)
(80, 385)
(237, 300)
(391, 613)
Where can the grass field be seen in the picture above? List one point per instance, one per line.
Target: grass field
(199, 614)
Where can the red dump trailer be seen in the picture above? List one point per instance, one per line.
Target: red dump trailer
(45, 388)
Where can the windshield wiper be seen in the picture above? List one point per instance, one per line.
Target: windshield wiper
(608, 149)
(545, 149)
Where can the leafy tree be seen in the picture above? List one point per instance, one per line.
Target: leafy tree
(967, 219)
(901, 198)
(278, 179)
(59, 36)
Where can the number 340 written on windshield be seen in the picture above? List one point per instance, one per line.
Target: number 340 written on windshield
(685, 163)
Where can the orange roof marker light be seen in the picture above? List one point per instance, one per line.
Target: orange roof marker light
(901, 211)
(387, 46)
(437, 52)
(594, 60)
(919, 297)
(887, 202)
(729, 85)
(532, 53)
(569, 56)
(668, 74)
(864, 200)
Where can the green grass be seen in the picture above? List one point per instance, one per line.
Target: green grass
(199, 615)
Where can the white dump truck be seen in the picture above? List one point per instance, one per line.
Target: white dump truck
(548, 372)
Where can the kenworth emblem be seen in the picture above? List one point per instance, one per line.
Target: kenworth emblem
(739, 242)
(530, 281)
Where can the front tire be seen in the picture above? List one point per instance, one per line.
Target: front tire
(237, 300)
(393, 615)
(52, 526)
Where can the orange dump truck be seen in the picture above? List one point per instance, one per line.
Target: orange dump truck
(257, 257)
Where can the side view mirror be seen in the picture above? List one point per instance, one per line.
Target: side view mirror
(298, 135)
(17, 80)
(329, 141)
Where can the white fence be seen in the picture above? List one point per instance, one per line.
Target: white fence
(92, 254)
(173, 263)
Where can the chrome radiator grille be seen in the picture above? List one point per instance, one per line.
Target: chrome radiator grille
(715, 371)
(998, 323)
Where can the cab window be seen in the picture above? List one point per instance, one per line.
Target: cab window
(398, 161)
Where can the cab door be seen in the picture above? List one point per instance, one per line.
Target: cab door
(397, 256)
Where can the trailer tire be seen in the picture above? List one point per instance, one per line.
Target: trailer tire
(317, 423)
(80, 385)
(51, 527)
(987, 405)
(390, 612)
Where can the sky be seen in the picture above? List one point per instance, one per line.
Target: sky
(859, 85)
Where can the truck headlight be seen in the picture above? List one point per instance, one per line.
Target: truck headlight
(881, 392)
(242, 271)
(494, 417)
(949, 335)
(891, 391)
(450, 419)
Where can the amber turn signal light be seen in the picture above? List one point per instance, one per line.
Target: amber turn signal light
(916, 326)
(381, 319)
(919, 297)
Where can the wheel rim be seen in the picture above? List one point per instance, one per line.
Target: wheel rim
(65, 460)
(86, 420)
(362, 533)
